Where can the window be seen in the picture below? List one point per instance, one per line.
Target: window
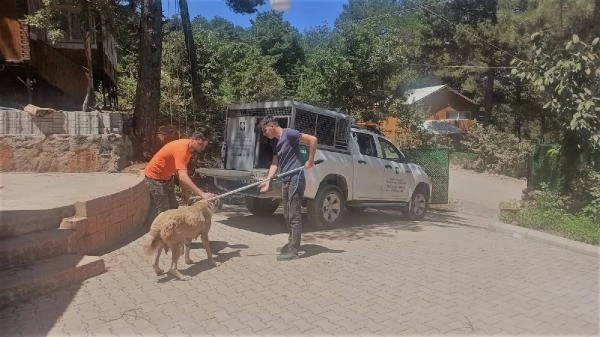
(390, 152)
(366, 144)
(458, 115)
(70, 23)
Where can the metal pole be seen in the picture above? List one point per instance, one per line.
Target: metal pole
(260, 182)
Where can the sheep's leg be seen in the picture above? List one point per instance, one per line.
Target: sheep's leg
(157, 269)
(186, 250)
(206, 245)
(175, 253)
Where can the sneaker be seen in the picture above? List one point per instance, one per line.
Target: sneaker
(289, 254)
(282, 249)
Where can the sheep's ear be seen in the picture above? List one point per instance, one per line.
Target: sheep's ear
(195, 198)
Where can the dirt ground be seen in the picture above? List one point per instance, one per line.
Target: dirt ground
(480, 194)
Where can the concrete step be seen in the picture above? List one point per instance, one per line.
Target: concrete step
(23, 283)
(27, 249)
(20, 222)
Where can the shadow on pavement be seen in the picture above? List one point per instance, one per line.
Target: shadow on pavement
(309, 250)
(355, 226)
(202, 264)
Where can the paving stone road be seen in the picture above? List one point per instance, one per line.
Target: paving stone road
(377, 275)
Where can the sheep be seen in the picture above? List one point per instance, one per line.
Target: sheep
(175, 228)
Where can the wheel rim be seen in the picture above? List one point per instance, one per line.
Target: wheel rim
(419, 204)
(332, 206)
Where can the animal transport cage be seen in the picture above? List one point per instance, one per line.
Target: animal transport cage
(248, 149)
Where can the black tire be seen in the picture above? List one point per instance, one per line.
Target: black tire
(261, 207)
(327, 209)
(418, 204)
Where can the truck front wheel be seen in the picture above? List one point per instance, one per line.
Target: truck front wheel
(260, 206)
(326, 209)
(418, 205)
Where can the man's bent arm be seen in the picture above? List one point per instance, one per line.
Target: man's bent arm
(187, 182)
(273, 167)
(312, 145)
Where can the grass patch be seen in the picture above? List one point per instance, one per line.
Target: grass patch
(547, 215)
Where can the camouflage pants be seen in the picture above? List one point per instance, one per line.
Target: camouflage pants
(162, 195)
(292, 195)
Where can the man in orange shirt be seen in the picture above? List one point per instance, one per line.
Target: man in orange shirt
(170, 161)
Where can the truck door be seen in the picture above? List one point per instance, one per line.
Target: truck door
(368, 168)
(241, 140)
(398, 178)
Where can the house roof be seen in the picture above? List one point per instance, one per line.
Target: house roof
(442, 128)
(415, 95)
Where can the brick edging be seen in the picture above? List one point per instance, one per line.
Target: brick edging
(100, 222)
(576, 246)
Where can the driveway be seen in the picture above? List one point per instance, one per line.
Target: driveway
(377, 274)
(481, 193)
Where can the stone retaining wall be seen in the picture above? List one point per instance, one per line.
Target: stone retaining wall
(65, 153)
(45, 140)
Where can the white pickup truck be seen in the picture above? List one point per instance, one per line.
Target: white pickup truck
(360, 168)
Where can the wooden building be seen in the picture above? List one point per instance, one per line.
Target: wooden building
(442, 103)
(34, 70)
(437, 104)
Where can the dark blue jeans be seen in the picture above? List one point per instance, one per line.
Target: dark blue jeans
(292, 195)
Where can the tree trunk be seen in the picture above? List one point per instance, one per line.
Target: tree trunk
(89, 72)
(191, 50)
(489, 93)
(570, 157)
(596, 18)
(147, 94)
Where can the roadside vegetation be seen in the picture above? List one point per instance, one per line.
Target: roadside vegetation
(556, 214)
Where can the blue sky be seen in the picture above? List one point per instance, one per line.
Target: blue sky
(302, 14)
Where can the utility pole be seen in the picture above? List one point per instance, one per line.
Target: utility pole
(191, 51)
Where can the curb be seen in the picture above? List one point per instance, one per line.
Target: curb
(579, 247)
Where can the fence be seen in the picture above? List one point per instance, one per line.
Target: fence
(437, 165)
(18, 122)
(545, 168)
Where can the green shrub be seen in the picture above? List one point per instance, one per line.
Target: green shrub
(588, 186)
(549, 213)
(497, 152)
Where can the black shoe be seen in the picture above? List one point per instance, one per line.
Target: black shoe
(289, 254)
(283, 249)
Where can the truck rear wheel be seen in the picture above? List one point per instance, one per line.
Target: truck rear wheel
(260, 206)
(326, 209)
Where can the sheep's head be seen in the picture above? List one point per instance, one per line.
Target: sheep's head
(214, 205)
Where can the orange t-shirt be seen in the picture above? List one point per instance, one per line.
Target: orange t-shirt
(169, 159)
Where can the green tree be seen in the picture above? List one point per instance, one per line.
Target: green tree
(567, 80)
(277, 39)
(373, 41)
